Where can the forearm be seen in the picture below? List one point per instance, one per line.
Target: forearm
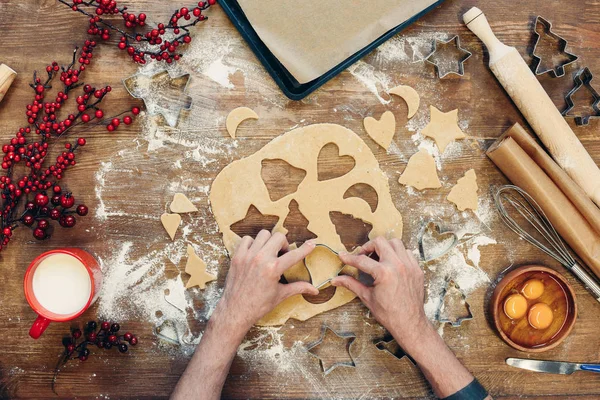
(206, 373)
(443, 370)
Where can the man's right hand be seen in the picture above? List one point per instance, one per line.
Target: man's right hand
(397, 295)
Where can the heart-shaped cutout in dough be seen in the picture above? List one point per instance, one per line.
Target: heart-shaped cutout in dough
(171, 223)
(382, 131)
(331, 164)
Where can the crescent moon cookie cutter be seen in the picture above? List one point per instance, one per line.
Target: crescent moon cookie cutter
(163, 93)
(326, 366)
(543, 27)
(442, 64)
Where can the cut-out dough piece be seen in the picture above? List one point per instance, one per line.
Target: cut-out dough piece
(171, 223)
(420, 172)
(382, 131)
(196, 268)
(236, 117)
(464, 194)
(410, 96)
(236, 188)
(181, 204)
(443, 128)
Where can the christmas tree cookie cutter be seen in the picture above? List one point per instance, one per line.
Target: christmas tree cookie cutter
(442, 68)
(582, 78)
(326, 367)
(544, 27)
(163, 94)
(450, 313)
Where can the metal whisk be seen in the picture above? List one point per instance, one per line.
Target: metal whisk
(551, 243)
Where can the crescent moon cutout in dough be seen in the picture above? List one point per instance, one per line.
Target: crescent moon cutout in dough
(236, 117)
(410, 96)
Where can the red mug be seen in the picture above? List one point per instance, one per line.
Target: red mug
(55, 276)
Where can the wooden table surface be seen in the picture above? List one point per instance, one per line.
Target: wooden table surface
(128, 177)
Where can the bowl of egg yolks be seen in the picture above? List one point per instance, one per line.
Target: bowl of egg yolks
(533, 308)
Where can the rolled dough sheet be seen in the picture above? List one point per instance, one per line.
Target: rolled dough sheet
(239, 186)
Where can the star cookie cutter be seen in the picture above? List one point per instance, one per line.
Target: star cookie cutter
(445, 316)
(348, 337)
(162, 93)
(544, 27)
(582, 78)
(443, 70)
(389, 344)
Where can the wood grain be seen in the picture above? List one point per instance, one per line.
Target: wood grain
(35, 32)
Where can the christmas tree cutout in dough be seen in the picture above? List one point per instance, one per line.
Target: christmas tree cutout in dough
(420, 172)
(196, 268)
(443, 128)
(464, 194)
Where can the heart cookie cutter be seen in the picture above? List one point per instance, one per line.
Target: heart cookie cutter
(582, 78)
(544, 27)
(444, 316)
(348, 337)
(465, 55)
(425, 244)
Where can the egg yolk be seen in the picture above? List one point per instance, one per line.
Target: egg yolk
(533, 289)
(515, 306)
(540, 316)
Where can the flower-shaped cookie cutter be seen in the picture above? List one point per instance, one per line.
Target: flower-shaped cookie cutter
(162, 93)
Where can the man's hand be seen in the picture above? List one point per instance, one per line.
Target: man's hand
(252, 288)
(396, 297)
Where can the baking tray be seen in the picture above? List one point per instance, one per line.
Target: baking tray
(288, 84)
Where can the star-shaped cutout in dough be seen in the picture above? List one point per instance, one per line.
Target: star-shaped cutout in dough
(443, 128)
(162, 93)
(333, 349)
(196, 268)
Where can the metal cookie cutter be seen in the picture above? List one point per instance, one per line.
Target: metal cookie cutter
(431, 235)
(543, 26)
(582, 78)
(326, 365)
(450, 311)
(343, 266)
(162, 93)
(443, 67)
(389, 344)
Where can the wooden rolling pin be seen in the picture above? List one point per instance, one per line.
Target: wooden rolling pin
(537, 107)
(7, 76)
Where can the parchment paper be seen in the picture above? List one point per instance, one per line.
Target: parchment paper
(524, 172)
(310, 37)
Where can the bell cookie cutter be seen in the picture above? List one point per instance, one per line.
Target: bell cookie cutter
(442, 71)
(157, 92)
(582, 78)
(544, 27)
(349, 338)
(444, 316)
(389, 344)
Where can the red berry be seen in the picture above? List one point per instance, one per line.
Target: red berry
(135, 110)
(67, 200)
(28, 220)
(39, 234)
(92, 336)
(105, 326)
(112, 339)
(115, 122)
(83, 358)
(70, 348)
(82, 210)
(43, 224)
(99, 114)
(55, 214)
(110, 127)
(77, 333)
(81, 141)
(127, 336)
(85, 118)
(56, 189)
(41, 199)
(133, 341)
(127, 120)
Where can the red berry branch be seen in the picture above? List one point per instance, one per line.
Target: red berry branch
(105, 338)
(34, 198)
(160, 43)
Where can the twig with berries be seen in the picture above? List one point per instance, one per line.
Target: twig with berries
(105, 338)
(160, 44)
(37, 188)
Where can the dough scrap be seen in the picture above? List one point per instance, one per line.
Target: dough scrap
(443, 128)
(464, 194)
(382, 131)
(171, 223)
(236, 117)
(196, 268)
(410, 96)
(181, 204)
(239, 186)
(420, 172)
(297, 272)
